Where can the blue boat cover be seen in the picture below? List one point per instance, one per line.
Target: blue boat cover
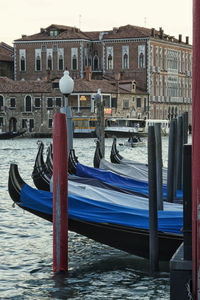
(119, 180)
(81, 208)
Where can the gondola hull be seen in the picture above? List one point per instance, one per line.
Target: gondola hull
(132, 240)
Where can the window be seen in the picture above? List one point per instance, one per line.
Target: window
(38, 64)
(60, 63)
(28, 107)
(53, 32)
(58, 101)
(43, 48)
(96, 62)
(1, 102)
(125, 103)
(49, 102)
(114, 102)
(22, 64)
(50, 125)
(37, 102)
(49, 59)
(110, 62)
(141, 60)
(60, 59)
(141, 56)
(1, 122)
(24, 123)
(138, 100)
(125, 57)
(12, 103)
(49, 63)
(125, 61)
(74, 58)
(31, 124)
(74, 63)
(109, 55)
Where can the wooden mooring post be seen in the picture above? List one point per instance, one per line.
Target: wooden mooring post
(100, 122)
(153, 214)
(195, 150)
(60, 194)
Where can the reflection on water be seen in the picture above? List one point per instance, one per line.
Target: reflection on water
(95, 271)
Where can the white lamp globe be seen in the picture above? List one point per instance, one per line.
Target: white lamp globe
(66, 84)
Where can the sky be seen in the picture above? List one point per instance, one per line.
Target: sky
(28, 16)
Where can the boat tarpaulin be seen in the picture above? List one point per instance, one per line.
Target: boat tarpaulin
(119, 180)
(86, 209)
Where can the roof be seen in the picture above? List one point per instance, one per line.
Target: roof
(26, 86)
(80, 86)
(6, 52)
(122, 32)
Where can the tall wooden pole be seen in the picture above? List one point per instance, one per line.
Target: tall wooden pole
(195, 144)
(60, 194)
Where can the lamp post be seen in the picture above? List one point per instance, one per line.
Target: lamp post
(66, 85)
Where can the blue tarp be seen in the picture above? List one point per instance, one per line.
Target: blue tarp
(81, 208)
(119, 180)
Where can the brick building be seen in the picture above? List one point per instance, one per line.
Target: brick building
(31, 105)
(160, 64)
(6, 60)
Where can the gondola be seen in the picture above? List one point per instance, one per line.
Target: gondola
(135, 170)
(115, 157)
(119, 226)
(43, 172)
(128, 183)
(10, 134)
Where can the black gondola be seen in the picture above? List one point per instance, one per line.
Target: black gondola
(129, 239)
(11, 134)
(41, 172)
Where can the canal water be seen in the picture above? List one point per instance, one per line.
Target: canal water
(96, 271)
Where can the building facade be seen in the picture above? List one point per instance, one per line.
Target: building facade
(31, 105)
(160, 64)
(6, 60)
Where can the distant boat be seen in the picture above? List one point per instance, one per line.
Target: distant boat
(126, 127)
(10, 134)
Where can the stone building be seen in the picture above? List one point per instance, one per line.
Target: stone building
(31, 104)
(6, 60)
(160, 64)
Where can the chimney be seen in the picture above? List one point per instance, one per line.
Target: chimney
(115, 29)
(187, 40)
(88, 73)
(42, 30)
(24, 36)
(161, 32)
(180, 38)
(153, 32)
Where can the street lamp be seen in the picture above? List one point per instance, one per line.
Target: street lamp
(66, 85)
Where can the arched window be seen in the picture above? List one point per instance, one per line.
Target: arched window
(74, 63)
(49, 63)
(60, 63)
(110, 62)
(38, 63)
(141, 60)
(96, 62)
(28, 107)
(125, 61)
(22, 64)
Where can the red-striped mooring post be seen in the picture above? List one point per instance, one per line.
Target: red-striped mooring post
(60, 194)
(195, 149)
